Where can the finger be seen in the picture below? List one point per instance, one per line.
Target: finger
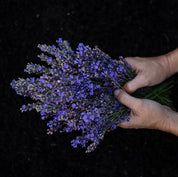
(135, 84)
(125, 125)
(126, 99)
(134, 122)
(128, 125)
(132, 61)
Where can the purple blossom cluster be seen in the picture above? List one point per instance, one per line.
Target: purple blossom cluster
(76, 91)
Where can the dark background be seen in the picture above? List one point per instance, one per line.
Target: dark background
(118, 27)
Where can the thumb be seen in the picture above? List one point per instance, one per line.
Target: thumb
(134, 84)
(124, 98)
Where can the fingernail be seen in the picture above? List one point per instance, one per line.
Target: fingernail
(116, 92)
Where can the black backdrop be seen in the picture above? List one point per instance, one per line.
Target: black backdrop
(118, 27)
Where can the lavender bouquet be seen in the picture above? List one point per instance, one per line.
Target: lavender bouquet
(76, 91)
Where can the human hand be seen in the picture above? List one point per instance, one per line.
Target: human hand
(147, 114)
(150, 71)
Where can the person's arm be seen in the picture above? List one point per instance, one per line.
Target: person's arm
(148, 114)
(151, 70)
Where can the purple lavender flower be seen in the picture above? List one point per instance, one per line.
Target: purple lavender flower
(77, 91)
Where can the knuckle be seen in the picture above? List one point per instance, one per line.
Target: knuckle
(120, 96)
(139, 104)
(146, 80)
(127, 87)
